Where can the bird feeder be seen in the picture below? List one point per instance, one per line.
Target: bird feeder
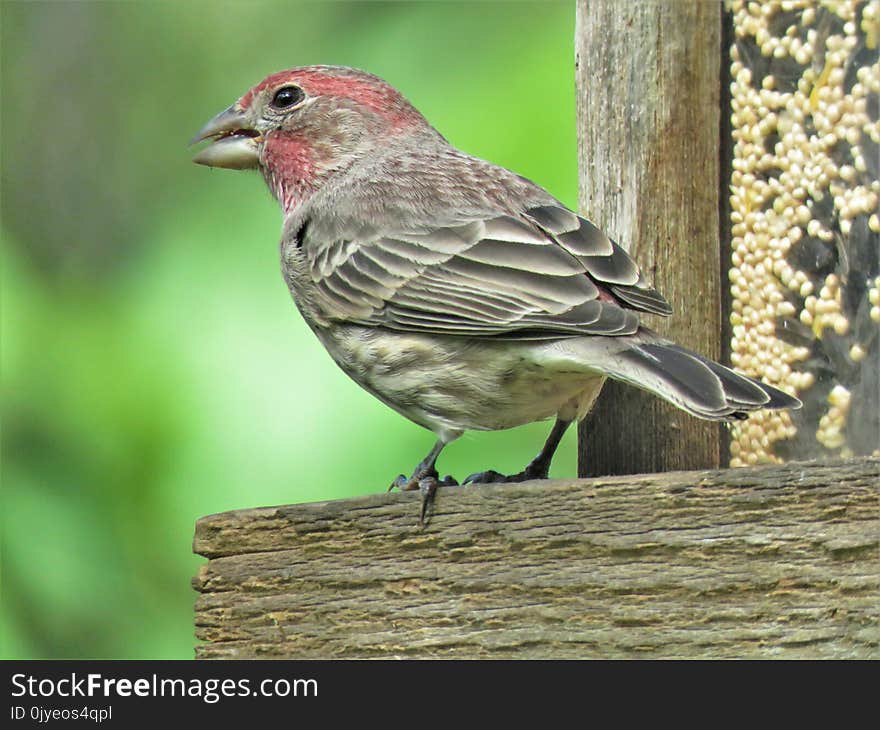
(804, 225)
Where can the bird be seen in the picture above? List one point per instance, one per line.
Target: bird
(460, 294)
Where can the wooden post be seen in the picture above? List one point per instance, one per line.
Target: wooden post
(648, 138)
(777, 561)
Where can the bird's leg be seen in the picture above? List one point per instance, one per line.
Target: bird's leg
(424, 478)
(538, 468)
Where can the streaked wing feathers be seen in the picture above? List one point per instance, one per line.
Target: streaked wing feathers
(549, 274)
(604, 260)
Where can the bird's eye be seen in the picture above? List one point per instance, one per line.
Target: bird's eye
(287, 96)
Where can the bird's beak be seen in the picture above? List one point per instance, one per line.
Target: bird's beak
(235, 143)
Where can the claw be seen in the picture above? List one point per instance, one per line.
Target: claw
(403, 483)
(428, 488)
(425, 479)
(538, 468)
(489, 476)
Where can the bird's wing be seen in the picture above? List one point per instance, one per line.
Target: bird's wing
(548, 273)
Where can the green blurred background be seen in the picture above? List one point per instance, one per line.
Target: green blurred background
(154, 368)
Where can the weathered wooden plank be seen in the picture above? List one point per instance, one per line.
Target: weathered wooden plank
(770, 561)
(648, 149)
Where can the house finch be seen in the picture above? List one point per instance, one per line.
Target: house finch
(457, 292)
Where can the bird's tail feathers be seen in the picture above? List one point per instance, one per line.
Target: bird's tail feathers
(694, 383)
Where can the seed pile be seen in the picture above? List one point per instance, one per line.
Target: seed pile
(805, 248)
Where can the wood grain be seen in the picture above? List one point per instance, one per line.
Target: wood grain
(770, 561)
(648, 77)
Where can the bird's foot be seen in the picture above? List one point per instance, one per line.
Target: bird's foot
(493, 477)
(427, 483)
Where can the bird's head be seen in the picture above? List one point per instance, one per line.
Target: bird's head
(302, 125)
